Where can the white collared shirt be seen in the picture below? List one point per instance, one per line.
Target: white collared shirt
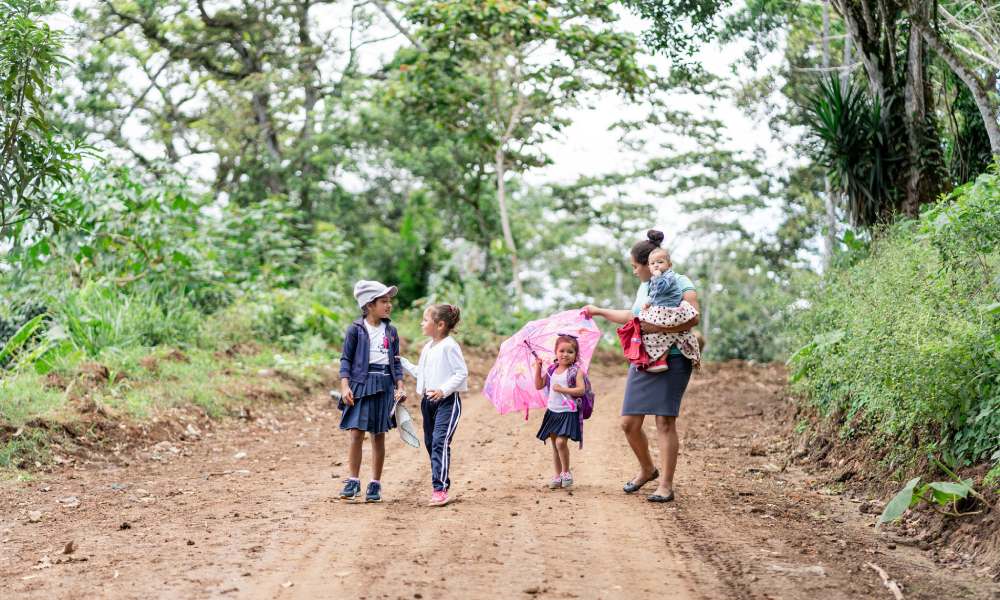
(441, 367)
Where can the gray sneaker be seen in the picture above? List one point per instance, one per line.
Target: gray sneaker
(567, 480)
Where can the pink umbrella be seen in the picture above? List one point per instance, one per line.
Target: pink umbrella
(510, 386)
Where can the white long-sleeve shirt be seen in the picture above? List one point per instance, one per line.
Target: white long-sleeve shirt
(441, 367)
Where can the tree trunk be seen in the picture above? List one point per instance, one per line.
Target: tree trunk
(862, 34)
(988, 110)
(920, 187)
(508, 236)
(830, 238)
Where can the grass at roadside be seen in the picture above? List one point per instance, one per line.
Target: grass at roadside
(135, 386)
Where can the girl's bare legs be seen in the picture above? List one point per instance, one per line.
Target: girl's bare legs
(669, 442)
(555, 454)
(378, 455)
(354, 451)
(632, 426)
(562, 448)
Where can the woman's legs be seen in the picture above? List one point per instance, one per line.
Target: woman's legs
(556, 461)
(632, 426)
(354, 451)
(378, 455)
(669, 443)
(562, 451)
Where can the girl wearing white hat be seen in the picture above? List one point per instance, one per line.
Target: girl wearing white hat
(371, 379)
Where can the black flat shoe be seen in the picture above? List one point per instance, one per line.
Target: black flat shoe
(658, 498)
(632, 487)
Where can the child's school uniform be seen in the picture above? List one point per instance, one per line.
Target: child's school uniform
(370, 362)
(441, 367)
(561, 417)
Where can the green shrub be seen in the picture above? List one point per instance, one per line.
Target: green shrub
(99, 316)
(906, 343)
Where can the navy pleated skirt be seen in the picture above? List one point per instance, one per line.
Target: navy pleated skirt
(373, 403)
(561, 424)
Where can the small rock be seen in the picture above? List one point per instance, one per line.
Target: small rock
(240, 455)
(532, 590)
(166, 446)
(287, 584)
(125, 525)
(34, 516)
(891, 546)
(118, 486)
(70, 501)
(513, 514)
(190, 543)
(70, 547)
(813, 570)
(45, 488)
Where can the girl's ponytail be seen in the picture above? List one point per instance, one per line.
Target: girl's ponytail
(449, 314)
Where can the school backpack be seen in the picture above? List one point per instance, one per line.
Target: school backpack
(586, 401)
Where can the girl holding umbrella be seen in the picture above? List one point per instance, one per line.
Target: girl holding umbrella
(646, 393)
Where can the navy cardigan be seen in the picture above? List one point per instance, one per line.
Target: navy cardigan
(354, 360)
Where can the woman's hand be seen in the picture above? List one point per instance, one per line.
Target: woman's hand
(435, 395)
(591, 311)
(400, 395)
(345, 392)
(560, 389)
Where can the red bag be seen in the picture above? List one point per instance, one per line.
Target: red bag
(630, 335)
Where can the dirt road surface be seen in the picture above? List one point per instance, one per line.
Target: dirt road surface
(249, 510)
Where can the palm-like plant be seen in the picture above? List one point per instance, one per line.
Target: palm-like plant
(862, 147)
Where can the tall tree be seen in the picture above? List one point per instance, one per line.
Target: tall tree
(880, 32)
(33, 154)
(966, 35)
(255, 89)
(502, 73)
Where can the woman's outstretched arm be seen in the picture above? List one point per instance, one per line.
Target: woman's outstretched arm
(615, 315)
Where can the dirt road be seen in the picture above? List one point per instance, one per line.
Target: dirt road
(250, 511)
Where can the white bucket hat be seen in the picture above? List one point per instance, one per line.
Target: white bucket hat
(407, 431)
(368, 291)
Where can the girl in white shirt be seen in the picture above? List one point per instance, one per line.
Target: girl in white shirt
(441, 375)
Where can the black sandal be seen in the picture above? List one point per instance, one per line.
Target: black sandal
(632, 487)
(658, 498)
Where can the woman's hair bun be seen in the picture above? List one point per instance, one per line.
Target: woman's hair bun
(655, 236)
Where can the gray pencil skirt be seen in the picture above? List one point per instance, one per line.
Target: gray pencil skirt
(657, 393)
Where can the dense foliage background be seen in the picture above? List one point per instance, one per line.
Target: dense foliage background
(197, 175)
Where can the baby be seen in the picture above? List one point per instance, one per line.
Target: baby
(666, 309)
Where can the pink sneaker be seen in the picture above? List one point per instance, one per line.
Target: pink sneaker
(438, 498)
(556, 482)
